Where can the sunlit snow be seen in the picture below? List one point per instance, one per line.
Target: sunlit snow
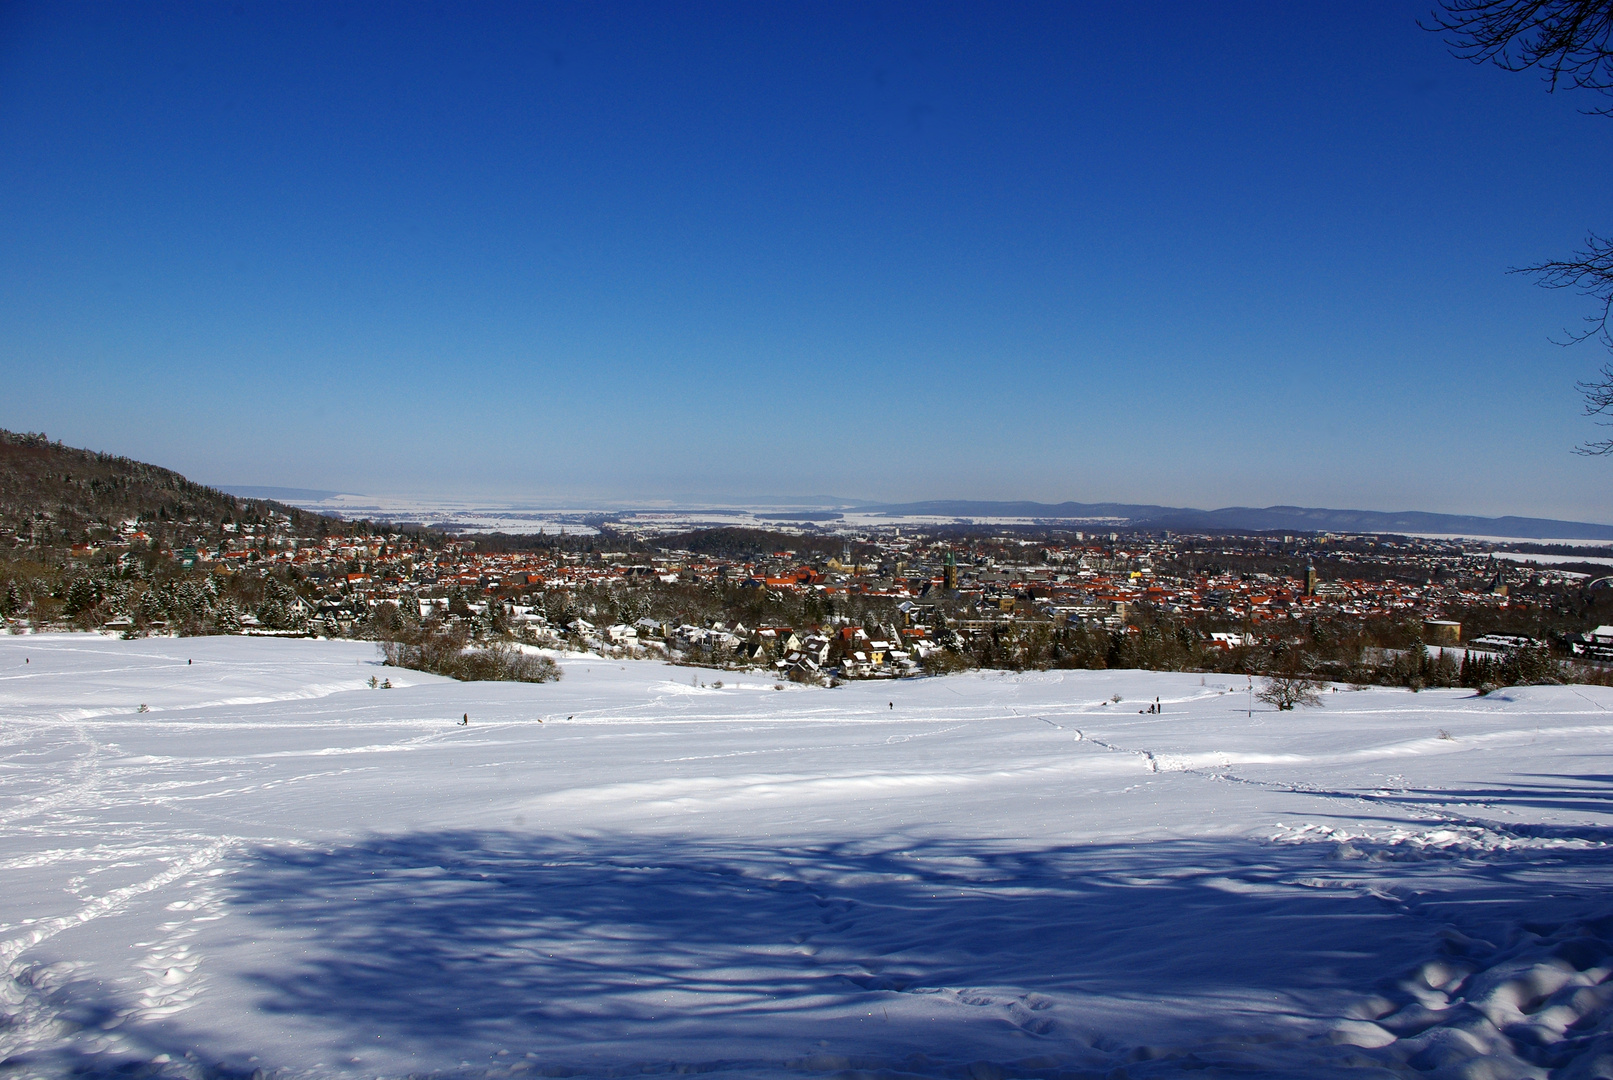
(276, 867)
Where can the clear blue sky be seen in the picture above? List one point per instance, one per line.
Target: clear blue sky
(1190, 254)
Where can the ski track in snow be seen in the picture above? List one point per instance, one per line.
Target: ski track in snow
(277, 871)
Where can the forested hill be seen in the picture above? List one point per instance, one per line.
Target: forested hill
(74, 489)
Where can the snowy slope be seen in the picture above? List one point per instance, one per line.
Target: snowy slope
(278, 868)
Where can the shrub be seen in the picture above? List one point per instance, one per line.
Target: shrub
(946, 661)
(446, 652)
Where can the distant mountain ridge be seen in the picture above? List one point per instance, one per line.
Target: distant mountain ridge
(1258, 519)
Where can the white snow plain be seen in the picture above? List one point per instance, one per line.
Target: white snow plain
(277, 871)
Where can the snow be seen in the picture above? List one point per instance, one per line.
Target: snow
(278, 868)
(469, 516)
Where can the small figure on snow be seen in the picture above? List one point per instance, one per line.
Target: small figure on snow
(465, 722)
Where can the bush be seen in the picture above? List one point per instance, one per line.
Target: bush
(945, 662)
(447, 653)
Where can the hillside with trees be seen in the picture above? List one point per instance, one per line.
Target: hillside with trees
(53, 492)
(93, 538)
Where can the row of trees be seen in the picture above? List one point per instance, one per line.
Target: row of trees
(189, 603)
(1484, 672)
(1353, 657)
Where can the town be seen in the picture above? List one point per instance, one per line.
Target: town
(818, 604)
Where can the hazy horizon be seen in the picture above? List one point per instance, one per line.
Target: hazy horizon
(690, 505)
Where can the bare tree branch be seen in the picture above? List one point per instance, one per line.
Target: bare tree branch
(1591, 272)
(1598, 402)
(1571, 41)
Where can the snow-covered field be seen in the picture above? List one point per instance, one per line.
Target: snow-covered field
(278, 868)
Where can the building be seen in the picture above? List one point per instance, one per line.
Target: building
(1441, 632)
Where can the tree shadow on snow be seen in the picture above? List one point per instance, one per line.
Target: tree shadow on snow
(907, 957)
(463, 937)
(75, 1009)
(1590, 794)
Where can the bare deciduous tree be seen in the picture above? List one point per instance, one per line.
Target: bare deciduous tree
(1287, 691)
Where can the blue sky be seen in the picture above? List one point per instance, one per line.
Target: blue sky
(1188, 254)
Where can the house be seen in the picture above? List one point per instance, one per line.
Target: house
(816, 647)
(798, 661)
(782, 638)
(1594, 645)
(1508, 642)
